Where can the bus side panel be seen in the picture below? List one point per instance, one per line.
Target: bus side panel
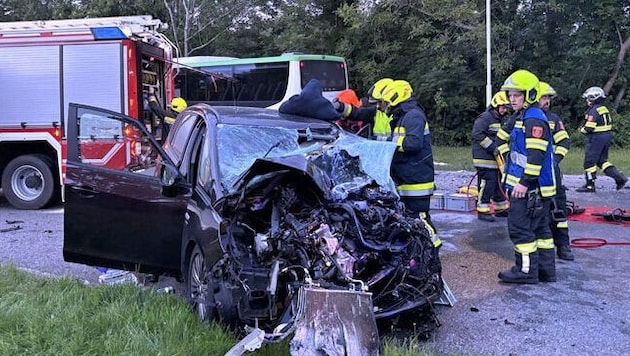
(31, 85)
(93, 75)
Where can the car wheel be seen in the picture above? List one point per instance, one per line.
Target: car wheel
(28, 182)
(198, 290)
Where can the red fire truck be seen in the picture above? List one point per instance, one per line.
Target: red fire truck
(108, 62)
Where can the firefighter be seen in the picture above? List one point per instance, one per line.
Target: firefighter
(167, 116)
(597, 126)
(412, 165)
(373, 114)
(529, 179)
(484, 133)
(561, 143)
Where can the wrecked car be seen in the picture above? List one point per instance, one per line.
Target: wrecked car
(251, 208)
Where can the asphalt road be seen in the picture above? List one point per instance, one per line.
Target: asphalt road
(587, 312)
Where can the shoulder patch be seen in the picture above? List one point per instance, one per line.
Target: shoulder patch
(537, 131)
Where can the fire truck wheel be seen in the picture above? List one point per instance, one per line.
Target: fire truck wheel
(28, 182)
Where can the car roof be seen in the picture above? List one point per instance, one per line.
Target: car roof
(263, 117)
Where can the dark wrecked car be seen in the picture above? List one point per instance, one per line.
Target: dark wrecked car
(249, 206)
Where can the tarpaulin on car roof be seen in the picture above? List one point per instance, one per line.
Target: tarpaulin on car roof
(240, 146)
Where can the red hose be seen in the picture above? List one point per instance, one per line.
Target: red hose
(593, 242)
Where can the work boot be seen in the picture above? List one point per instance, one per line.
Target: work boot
(514, 275)
(502, 214)
(588, 188)
(620, 179)
(486, 217)
(564, 253)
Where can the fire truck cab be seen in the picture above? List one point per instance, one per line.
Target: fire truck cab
(109, 62)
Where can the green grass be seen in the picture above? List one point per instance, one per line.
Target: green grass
(45, 316)
(460, 158)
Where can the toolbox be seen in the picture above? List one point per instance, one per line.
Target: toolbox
(460, 202)
(437, 201)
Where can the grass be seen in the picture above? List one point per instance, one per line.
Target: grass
(45, 316)
(460, 158)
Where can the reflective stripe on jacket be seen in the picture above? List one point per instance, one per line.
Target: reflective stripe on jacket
(412, 165)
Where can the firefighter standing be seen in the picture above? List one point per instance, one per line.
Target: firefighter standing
(484, 133)
(529, 178)
(598, 127)
(167, 116)
(412, 165)
(561, 144)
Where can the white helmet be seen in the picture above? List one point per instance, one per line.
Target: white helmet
(594, 93)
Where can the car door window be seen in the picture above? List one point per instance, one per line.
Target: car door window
(204, 173)
(108, 142)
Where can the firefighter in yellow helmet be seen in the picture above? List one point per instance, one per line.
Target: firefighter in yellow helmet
(484, 133)
(373, 113)
(529, 180)
(167, 116)
(561, 143)
(412, 165)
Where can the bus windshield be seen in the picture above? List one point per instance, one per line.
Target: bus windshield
(256, 82)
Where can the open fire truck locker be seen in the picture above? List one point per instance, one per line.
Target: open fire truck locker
(107, 62)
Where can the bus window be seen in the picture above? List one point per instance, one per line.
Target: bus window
(257, 82)
(332, 75)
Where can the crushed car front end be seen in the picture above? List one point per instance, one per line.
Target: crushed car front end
(317, 213)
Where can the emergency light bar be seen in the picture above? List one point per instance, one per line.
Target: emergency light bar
(108, 33)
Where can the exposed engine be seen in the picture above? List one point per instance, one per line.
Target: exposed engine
(283, 234)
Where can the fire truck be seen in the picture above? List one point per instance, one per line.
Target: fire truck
(108, 62)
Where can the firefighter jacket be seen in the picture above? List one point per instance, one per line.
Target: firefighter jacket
(484, 134)
(597, 120)
(380, 121)
(412, 164)
(530, 161)
(166, 115)
(561, 140)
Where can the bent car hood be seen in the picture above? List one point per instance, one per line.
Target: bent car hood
(348, 164)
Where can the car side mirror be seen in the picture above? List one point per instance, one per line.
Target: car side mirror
(169, 177)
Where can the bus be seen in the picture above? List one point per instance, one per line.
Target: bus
(257, 82)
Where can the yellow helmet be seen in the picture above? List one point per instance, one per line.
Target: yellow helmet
(397, 92)
(500, 98)
(525, 81)
(375, 93)
(178, 104)
(545, 89)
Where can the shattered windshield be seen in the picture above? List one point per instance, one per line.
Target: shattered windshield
(349, 162)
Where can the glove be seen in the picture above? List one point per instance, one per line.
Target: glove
(339, 106)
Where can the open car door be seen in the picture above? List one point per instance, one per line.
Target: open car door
(120, 212)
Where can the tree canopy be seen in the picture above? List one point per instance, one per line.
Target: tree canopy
(438, 46)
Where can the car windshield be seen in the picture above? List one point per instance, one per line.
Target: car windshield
(349, 161)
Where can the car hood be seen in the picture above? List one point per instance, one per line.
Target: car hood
(338, 169)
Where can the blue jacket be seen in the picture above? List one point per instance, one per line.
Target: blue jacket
(530, 161)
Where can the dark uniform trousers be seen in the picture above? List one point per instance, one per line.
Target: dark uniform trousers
(558, 217)
(530, 235)
(488, 182)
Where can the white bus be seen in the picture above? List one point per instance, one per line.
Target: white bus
(258, 82)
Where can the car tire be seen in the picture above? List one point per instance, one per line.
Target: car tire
(28, 182)
(198, 290)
